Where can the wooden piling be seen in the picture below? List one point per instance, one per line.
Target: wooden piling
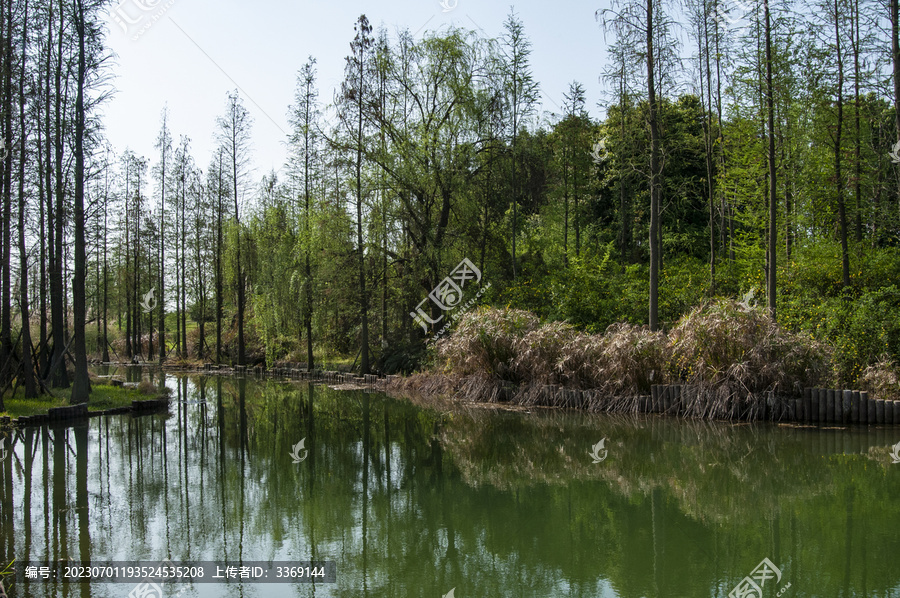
(821, 396)
(829, 406)
(890, 414)
(869, 405)
(846, 398)
(879, 411)
(807, 405)
(854, 407)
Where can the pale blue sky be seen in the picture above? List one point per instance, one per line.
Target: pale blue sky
(196, 51)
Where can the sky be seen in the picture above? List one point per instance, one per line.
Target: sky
(187, 55)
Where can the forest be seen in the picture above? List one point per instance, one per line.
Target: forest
(745, 152)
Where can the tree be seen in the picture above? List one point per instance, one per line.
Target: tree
(521, 95)
(355, 94)
(304, 119)
(574, 131)
(81, 387)
(164, 145)
(773, 187)
(28, 381)
(642, 24)
(234, 135)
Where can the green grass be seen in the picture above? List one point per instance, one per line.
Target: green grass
(102, 397)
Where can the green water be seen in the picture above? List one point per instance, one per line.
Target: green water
(416, 501)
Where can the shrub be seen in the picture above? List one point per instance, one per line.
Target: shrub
(484, 342)
(882, 379)
(729, 344)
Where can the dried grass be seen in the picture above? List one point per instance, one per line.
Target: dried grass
(730, 360)
(728, 345)
(882, 379)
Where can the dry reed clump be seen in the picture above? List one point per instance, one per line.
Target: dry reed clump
(485, 343)
(740, 351)
(624, 360)
(539, 351)
(493, 346)
(882, 379)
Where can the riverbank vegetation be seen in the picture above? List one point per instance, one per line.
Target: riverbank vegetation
(730, 350)
(617, 247)
(103, 396)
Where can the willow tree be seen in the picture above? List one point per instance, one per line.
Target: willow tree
(430, 124)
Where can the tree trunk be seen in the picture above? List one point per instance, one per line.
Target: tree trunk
(773, 228)
(27, 363)
(81, 387)
(6, 348)
(654, 176)
(60, 378)
(219, 262)
(838, 177)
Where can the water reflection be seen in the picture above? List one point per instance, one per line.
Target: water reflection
(413, 501)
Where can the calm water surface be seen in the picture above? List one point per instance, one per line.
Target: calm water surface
(413, 501)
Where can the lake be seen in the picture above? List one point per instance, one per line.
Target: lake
(415, 499)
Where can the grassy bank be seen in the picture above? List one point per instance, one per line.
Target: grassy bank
(103, 396)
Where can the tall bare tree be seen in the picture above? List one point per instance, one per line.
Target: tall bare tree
(234, 135)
